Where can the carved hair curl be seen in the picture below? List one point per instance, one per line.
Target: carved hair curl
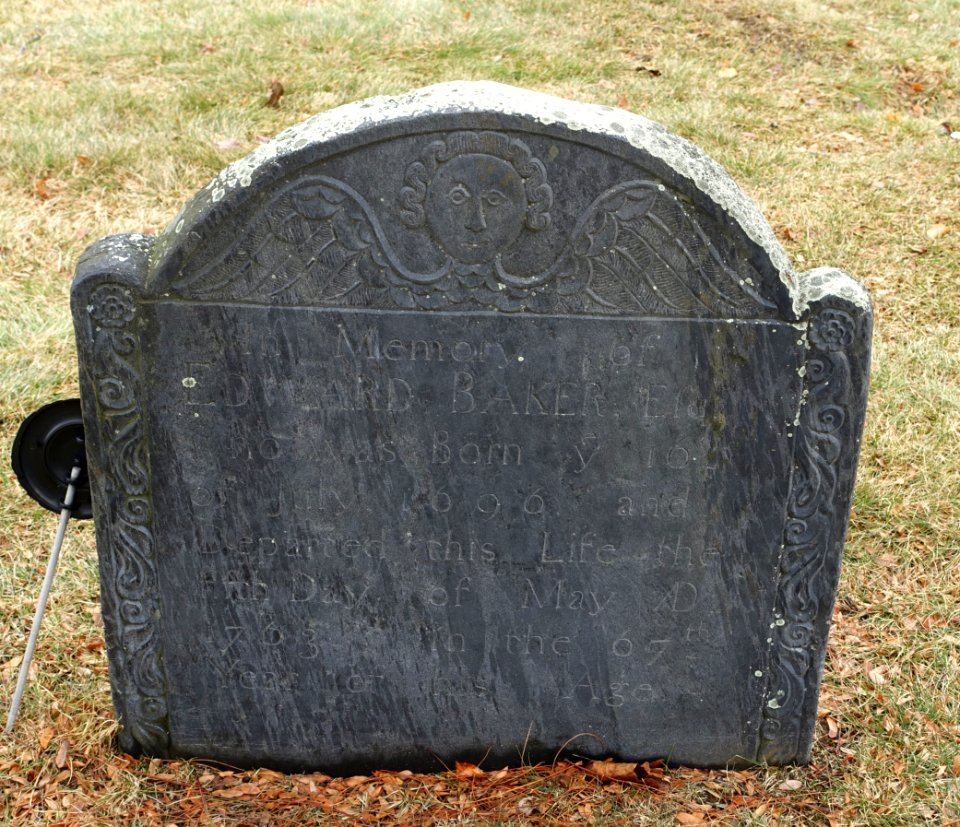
(512, 150)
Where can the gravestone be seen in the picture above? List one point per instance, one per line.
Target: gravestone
(468, 423)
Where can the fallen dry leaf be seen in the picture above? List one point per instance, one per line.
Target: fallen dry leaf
(937, 231)
(850, 137)
(690, 818)
(791, 784)
(11, 665)
(613, 771)
(274, 95)
(245, 790)
(956, 764)
(467, 770)
(61, 759)
(45, 737)
(41, 189)
(227, 143)
(622, 102)
(727, 73)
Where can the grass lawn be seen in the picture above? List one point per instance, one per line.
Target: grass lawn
(835, 117)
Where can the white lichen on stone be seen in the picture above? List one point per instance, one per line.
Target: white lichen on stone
(466, 97)
(485, 96)
(814, 285)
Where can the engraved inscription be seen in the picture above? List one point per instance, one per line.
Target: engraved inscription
(562, 596)
(450, 550)
(474, 451)
(444, 597)
(367, 344)
(590, 687)
(566, 481)
(552, 397)
(529, 642)
(581, 547)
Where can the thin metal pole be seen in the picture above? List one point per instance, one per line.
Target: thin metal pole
(42, 602)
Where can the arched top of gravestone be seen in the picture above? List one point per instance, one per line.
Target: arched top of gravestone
(477, 196)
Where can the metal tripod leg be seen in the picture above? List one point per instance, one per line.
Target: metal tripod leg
(42, 602)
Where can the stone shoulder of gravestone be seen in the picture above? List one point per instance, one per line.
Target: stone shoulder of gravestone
(480, 208)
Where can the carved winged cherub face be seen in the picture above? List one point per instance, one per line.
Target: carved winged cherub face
(475, 206)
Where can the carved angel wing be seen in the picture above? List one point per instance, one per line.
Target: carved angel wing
(637, 248)
(317, 241)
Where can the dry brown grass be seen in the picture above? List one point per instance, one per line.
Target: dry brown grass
(831, 116)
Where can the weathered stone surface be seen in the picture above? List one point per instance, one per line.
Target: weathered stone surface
(471, 422)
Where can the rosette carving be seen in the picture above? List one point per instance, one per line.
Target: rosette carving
(831, 330)
(111, 305)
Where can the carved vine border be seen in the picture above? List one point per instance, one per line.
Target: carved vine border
(133, 580)
(809, 540)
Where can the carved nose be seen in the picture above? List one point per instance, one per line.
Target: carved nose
(476, 220)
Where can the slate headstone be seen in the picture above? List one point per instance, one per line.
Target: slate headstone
(468, 423)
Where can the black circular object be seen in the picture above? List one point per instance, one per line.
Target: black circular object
(48, 445)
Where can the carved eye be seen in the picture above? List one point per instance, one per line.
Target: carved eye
(494, 198)
(459, 195)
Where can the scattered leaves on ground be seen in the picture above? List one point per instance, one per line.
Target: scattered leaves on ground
(273, 96)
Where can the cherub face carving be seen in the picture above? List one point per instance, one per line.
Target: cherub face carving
(476, 191)
(475, 206)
